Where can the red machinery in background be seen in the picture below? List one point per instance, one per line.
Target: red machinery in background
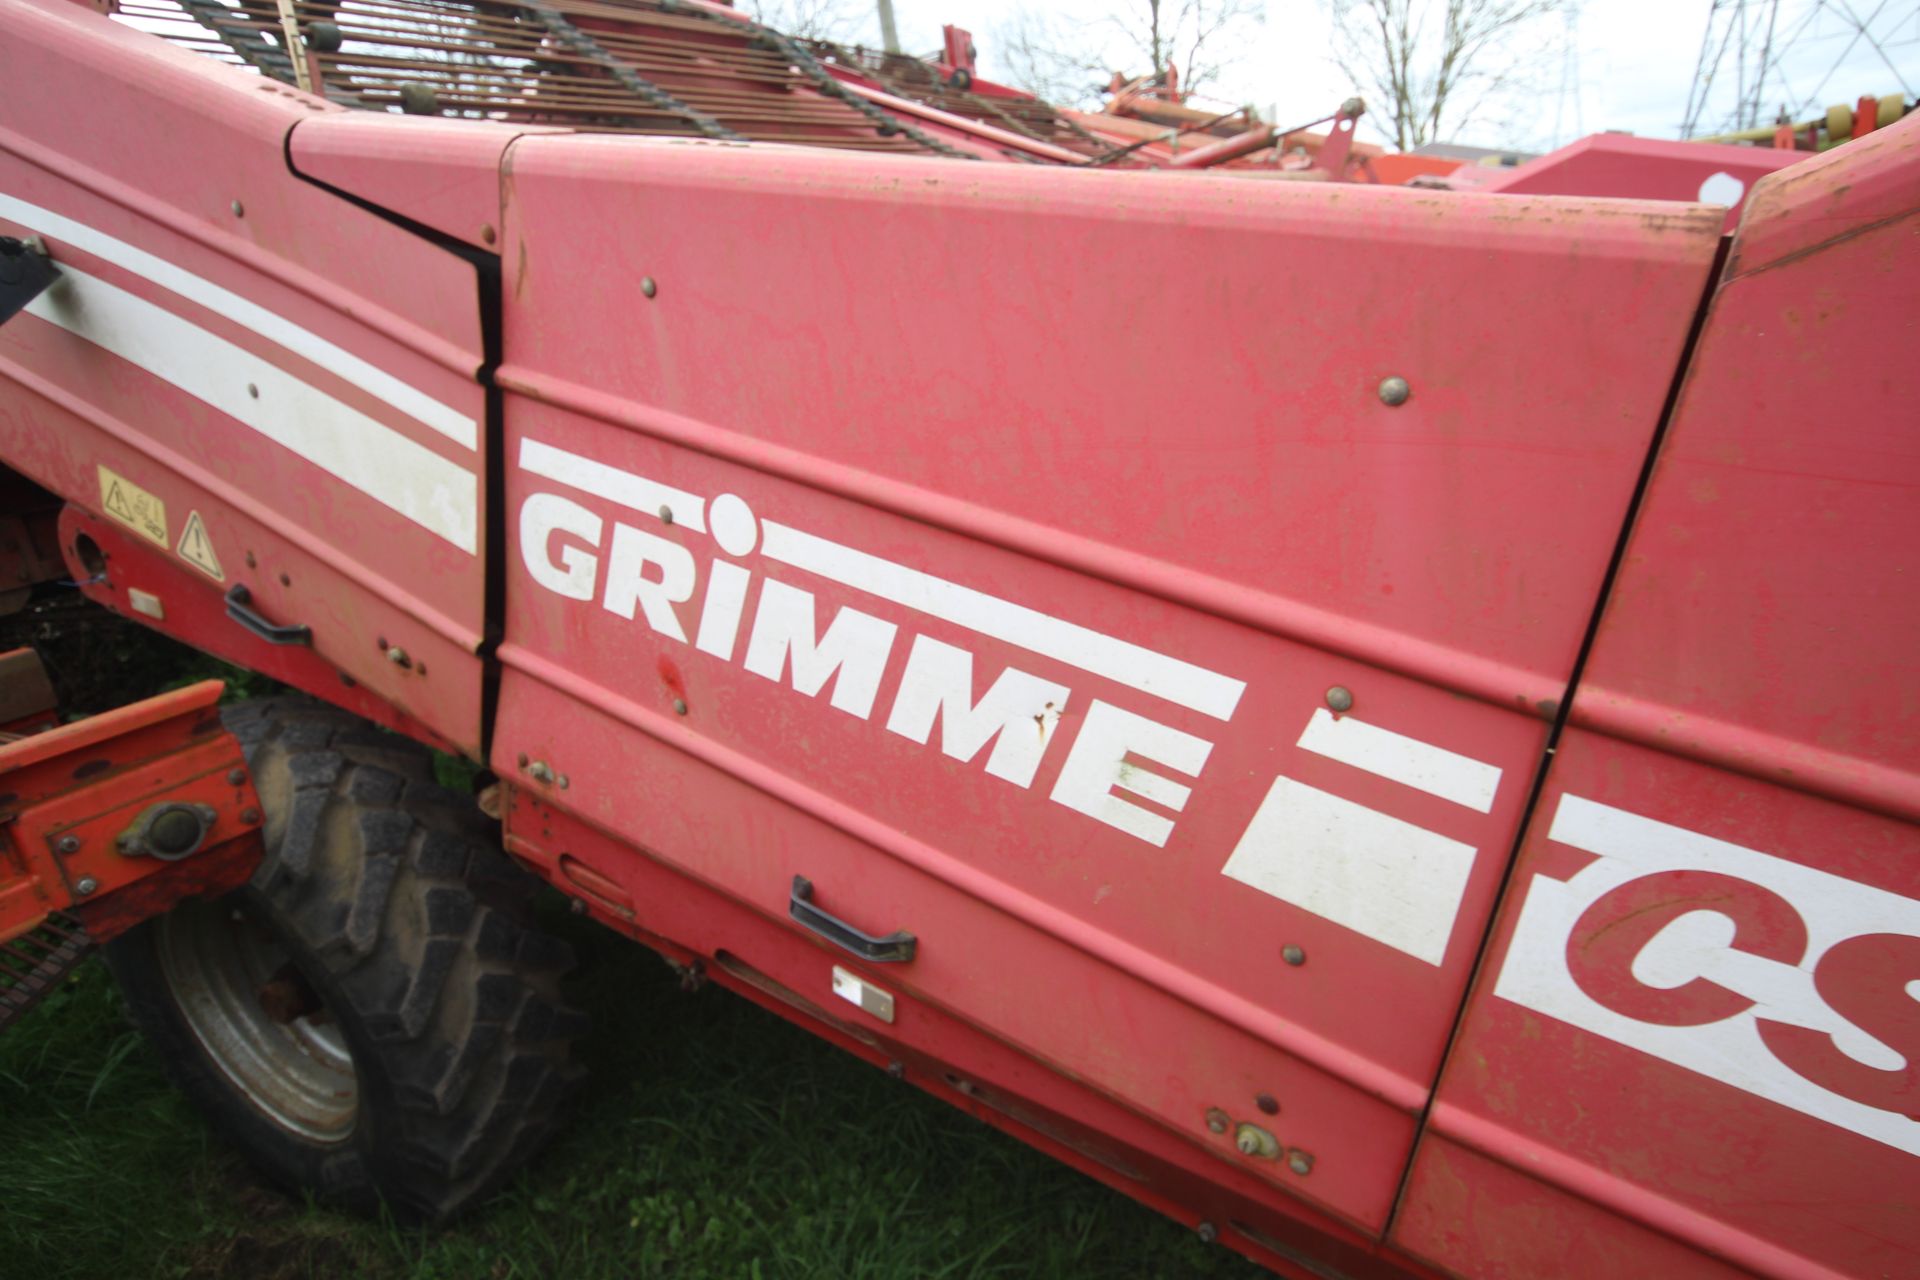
(1376, 721)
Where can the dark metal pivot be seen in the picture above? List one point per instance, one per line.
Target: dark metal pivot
(25, 273)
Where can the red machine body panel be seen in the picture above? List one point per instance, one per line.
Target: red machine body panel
(1087, 639)
(1781, 501)
(1635, 1043)
(1234, 492)
(278, 382)
(1699, 1011)
(1039, 641)
(715, 936)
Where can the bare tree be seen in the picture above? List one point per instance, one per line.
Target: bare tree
(1051, 54)
(1195, 38)
(837, 20)
(1428, 67)
(1045, 56)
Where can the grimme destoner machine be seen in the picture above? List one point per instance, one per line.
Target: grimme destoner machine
(1368, 704)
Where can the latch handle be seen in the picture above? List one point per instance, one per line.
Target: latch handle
(896, 948)
(240, 609)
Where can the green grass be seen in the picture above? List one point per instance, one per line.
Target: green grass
(714, 1139)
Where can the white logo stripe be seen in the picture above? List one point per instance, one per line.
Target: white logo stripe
(636, 493)
(1408, 761)
(439, 495)
(1129, 664)
(410, 400)
(1373, 873)
(1699, 945)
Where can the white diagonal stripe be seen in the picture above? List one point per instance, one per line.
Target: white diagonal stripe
(1077, 646)
(636, 493)
(1409, 761)
(1392, 881)
(376, 382)
(438, 494)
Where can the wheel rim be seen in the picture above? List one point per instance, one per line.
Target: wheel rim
(258, 1019)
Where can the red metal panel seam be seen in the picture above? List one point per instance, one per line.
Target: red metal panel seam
(1831, 775)
(1703, 312)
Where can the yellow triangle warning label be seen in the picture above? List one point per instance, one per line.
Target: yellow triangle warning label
(117, 502)
(133, 506)
(196, 548)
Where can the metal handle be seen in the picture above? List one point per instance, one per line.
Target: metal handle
(240, 609)
(895, 948)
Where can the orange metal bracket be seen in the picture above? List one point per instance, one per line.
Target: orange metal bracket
(79, 807)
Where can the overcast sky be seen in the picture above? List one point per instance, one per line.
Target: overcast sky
(1636, 59)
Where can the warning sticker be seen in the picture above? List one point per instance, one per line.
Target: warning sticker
(196, 548)
(133, 506)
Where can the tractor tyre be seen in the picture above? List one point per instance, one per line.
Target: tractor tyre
(372, 1019)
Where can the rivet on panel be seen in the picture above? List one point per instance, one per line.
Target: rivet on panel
(1340, 698)
(1394, 392)
(648, 287)
(1217, 1120)
(679, 706)
(68, 844)
(85, 885)
(1267, 1103)
(239, 210)
(666, 514)
(1293, 955)
(1207, 1232)
(1300, 1162)
(486, 233)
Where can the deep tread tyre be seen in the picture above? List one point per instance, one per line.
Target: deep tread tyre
(406, 929)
